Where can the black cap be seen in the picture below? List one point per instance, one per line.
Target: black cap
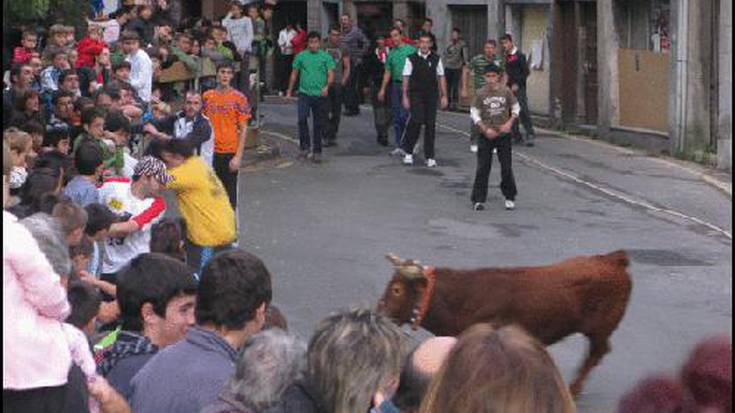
(492, 68)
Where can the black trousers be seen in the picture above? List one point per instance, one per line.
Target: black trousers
(334, 112)
(422, 112)
(221, 165)
(283, 71)
(525, 116)
(316, 105)
(484, 164)
(352, 90)
(381, 111)
(453, 77)
(71, 397)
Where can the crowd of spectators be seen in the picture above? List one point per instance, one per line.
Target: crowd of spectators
(111, 305)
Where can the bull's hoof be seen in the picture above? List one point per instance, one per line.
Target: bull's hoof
(575, 389)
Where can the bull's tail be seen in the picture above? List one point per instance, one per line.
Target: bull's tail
(619, 258)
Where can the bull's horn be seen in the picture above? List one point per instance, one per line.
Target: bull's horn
(411, 272)
(394, 259)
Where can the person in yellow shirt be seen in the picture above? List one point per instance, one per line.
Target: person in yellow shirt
(203, 202)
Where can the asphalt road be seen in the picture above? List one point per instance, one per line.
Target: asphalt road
(323, 230)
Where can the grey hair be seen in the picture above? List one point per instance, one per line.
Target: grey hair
(268, 364)
(51, 239)
(351, 356)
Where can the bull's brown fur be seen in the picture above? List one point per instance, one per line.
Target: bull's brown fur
(586, 294)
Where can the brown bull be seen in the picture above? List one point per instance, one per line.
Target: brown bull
(586, 294)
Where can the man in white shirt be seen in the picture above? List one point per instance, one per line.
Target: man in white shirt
(141, 66)
(139, 200)
(423, 78)
(286, 57)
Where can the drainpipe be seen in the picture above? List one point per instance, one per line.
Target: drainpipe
(682, 58)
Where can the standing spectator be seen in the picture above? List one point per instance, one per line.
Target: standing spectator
(223, 45)
(477, 374)
(493, 112)
(50, 75)
(421, 365)
(286, 56)
(141, 66)
(94, 122)
(90, 47)
(299, 41)
(342, 74)
(393, 75)
(374, 68)
(358, 45)
(352, 365)
(143, 25)
(315, 70)
(21, 77)
(258, 385)
(202, 200)
(231, 299)
(82, 189)
(400, 25)
(476, 69)
(423, 82)
(240, 33)
(229, 111)
(56, 42)
(456, 57)
(28, 42)
(189, 124)
(261, 43)
(139, 201)
(99, 221)
(426, 27)
(516, 66)
(156, 295)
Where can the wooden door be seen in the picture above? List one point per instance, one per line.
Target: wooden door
(472, 21)
(589, 20)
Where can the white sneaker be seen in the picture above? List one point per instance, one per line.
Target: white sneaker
(473, 148)
(431, 163)
(495, 150)
(509, 205)
(397, 152)
(408, 159)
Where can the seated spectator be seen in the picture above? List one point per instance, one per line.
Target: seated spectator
(69, 81)
(182, 50)
(353, 365)
(167, 238)
(94, 122)
(203, 202)
(28, 43)
(90, 47)
(503, 370)
(82, 189)
(69, 37)
(21, 79)
(267, 365)
(37, 131)
(56, 42)
(26, 108)
(121, 71)
(50, 75)
(63, 110)
(57, 140)
(20, 145)
(73, 219)
(234, 290)
(143, 25)
(156, 298)
(420, 367)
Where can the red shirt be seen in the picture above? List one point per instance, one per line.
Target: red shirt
(21, 55)
(88, 49)
(299, 42)
(406, 40)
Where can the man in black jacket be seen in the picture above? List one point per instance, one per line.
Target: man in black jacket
(516, 68)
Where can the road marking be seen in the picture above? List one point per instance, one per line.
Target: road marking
(280, 135)
(608, 192)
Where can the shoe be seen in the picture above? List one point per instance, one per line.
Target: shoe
(473, 148)
(509, 205)
(280, 94)
(316, 157)
(479, 206)
(430, 163)
(397, 152)
(408, 159)
(495, 150)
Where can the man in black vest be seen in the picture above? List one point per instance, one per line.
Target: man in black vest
(423, 78)
(516, 67)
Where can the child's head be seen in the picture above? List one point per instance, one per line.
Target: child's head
(29, 41)
(236, 9)
(117, 124)
(57, 35)
(57, 139)
(69, 32)
(95, 31)
(167, 237)
(80, 254)
(93, 121)
(73, 219)
(36, 130)
(121, 71)
(130, 42)
(145, 12)
(88, 159)
(60, 60)
(20, 145)
(219, 34)
(85, 304)
(99, 220)
(161, 110)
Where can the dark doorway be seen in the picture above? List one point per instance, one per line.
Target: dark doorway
(472, 21)
(374, 17)
(588, 18)
(331, 12)
(288, 12)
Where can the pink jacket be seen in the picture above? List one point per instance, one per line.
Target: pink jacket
(35, 350)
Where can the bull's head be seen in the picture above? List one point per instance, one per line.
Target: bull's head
(404, 290)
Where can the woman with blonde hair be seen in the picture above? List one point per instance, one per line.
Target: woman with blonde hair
(498, 371)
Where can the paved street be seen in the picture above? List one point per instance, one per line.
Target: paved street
(323, 231)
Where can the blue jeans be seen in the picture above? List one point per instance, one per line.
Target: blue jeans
(318, 106)
(398, 112)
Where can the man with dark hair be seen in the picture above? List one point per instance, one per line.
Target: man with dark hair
(393, 76)
(342, 75)
(82, 189)
(63, 105)
(232, 296)
(374, 68)
(99, 221)
(69, 80)
(423, 83)
(516, 67)
(426, 27)
(72, 217)
(357, 45)
(209, 217)
(141, 66)
(229, 111)
(419, 368)
(315, 70)
(156, 295)
(85, 303)
(21, 78)
(456, 57)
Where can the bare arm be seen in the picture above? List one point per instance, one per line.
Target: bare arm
(345, 69)
(123, 229)
(292, 81)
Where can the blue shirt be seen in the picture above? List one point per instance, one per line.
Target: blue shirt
(82, 191)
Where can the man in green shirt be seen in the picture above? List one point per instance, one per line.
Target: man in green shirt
(315, 70)
(394, 75)
(477, 67)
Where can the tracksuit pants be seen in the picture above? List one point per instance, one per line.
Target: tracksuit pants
(423, 112)
(484, 164)
(221, 166)
(398, 112)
